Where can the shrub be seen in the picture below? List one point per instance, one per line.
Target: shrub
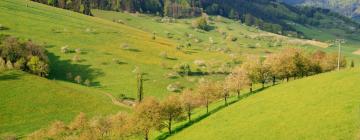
(163, 55)
(202, 23)
(175, 87)
(20, 64)
(78, 50)
(78, 79)
(2, 64)
(65, 49)
(87, 82)
(200, 63)
(9, 65)
(183, 69)
(76, 58)
(38, 67)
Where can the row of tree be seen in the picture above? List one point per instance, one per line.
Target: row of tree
(22, 55)
(150, 114)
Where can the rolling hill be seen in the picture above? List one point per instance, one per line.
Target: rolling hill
(113, 48)
(349, 8)
(29, 102)
(325, 106)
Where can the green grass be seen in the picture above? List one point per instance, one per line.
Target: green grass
(318, 107)
(29, 102)
(101, 39)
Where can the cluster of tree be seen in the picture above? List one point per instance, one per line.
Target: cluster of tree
(148, 115)
(74, 5)
(22, 55)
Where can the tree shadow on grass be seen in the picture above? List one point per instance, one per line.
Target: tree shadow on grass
(60, 69)
(181, 127)
(10, 76)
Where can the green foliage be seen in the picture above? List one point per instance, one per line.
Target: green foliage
(25, 56)
(38, 67)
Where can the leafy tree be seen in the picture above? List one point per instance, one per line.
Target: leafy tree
(78, 79)
(37, 66)
(147, 117)
(9, 65)
(223, 89)
(202, 23)
(256, 70)
(237, 80)
(352, 64)
(140, 91)
(87, 8)
(20, 64)
(171, 109)
(2, 64)
(189, 100)
(208, 92)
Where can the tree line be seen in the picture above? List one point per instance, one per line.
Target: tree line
(151, 114)
(23, 55)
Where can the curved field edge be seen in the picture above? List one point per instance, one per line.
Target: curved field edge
(29, 102)
(319, 107)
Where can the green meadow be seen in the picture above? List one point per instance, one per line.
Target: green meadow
(29, 102)
(115, 46)
(325, 106)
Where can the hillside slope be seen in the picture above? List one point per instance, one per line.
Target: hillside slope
(319, 107)
(29, 102)
(349, 8)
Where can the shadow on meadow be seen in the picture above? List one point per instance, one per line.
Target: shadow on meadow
(66, 70)
(10, 76)
(181, 127)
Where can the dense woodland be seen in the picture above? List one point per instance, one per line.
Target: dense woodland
(268, 15)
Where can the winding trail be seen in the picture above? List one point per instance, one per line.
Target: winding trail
(116, 102)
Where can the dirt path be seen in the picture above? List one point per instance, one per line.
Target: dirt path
(116, 102)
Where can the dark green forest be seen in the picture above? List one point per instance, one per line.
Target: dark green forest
(268, 15)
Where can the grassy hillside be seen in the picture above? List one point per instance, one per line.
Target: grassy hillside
(319, 107)
(29, 102)
(111, 68)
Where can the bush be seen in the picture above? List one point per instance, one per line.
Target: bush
(175, 87)
(202, 23)
(9, 65)
(38, 67)
(87, 82)
(2, 65)
(20, 64)
(65, 49)
(76, 58)
(78, 79)
(78, 50)
(163, 55)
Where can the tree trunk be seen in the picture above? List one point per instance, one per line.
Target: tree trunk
(225, 100)
(189, 114)
(251, 88)
(169, 126)
(207, 106)
(263, 84)
(238, 93)
(147, 136)
(274, 80)
(287, 79)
